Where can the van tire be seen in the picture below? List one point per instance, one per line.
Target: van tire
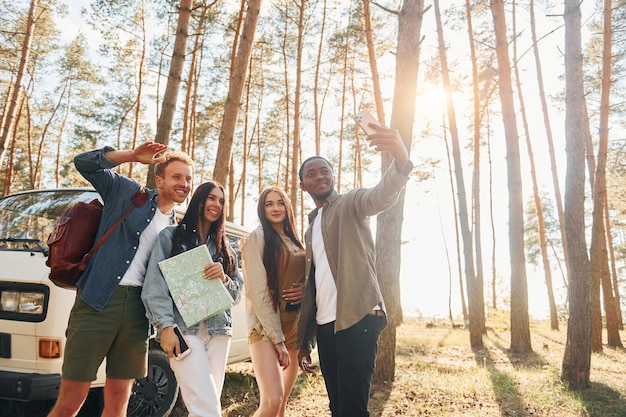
(156, 394)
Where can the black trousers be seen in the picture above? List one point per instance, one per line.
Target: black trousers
(348, 360)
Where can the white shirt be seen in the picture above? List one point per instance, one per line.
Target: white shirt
(136, 272)
(326, 290)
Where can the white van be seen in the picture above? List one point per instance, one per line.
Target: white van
(34, 312)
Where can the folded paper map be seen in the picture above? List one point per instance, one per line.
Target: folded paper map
(197, 298)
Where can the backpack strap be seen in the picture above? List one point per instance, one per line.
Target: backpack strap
(138, 199)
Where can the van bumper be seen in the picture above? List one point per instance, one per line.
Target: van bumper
(29, 387)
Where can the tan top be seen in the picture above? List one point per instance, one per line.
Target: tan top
(292, 271)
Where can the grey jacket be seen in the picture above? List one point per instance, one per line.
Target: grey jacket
(350, 251)
(160, 308)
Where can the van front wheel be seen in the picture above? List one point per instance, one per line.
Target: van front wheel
(156, 394)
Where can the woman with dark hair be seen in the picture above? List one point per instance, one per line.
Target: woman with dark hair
(200, 375)
(274, 266)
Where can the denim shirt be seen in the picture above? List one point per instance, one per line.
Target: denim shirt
(160, 308)
(109, 264)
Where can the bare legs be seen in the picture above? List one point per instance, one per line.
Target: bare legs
(73, 393)
(71, 397)
(116, 395)
(275, 384)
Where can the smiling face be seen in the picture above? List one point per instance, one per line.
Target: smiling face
(214, 206)
(317, 179)
(175, 184)
(275, 210)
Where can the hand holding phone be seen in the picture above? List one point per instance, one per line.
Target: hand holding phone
(363, 119)
(182, 342)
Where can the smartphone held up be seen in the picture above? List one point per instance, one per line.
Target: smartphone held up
(363, 119)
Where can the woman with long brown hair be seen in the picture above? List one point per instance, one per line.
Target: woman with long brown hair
(200, 375)
(273, 264)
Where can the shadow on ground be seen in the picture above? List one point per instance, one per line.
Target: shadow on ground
(600, 395)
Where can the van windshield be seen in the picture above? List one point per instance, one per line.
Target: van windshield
(26, 218)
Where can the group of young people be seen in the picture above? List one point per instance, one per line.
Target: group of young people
(321, 291)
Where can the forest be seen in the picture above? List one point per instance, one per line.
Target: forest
(511, 111)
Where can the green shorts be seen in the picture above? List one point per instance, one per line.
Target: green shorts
(118, 333)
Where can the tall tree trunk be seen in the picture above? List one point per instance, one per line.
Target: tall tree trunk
(9, 119)
(591, 160)
(520, 324)
(389, 223)
(476, 171)
(189, 113)
(492, 223)
(235, 90)
(296, 148)
(371, 53)
(457, 233)
(233, 61)
(546, 122)
(543, 245)
(67, 86)
(357, 174)
(140, 74)
(29, 145)
(609, 243)
(599, 255)
(286, 137)
(317, 106)
(194, 85)
(577, 357)
(237, 36)
(475, 292)
(120, 129)
(59, 136)
(168, 108)
(7, 100)
(596, 296)
(344, 94)
(247, 140)
(8, 180)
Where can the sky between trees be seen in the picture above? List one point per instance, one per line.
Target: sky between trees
(429, 254)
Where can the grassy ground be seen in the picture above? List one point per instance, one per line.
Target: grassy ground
(437, 374)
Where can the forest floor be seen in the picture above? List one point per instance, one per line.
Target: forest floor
(438, 374)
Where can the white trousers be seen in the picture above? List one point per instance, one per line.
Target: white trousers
(200, 374)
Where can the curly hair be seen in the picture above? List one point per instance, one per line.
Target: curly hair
(170, 157)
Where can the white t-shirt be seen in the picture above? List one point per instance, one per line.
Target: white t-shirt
(136, 272)
(326, 290)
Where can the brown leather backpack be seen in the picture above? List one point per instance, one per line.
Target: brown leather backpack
(71, 242)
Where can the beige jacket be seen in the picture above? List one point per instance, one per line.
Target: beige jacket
(351, 253)
(260, 312)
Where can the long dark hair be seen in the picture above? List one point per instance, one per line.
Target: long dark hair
(275, 250)
(187, 234)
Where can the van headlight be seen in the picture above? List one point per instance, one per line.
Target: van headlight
(23, 302)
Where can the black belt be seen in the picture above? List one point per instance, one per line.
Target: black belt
(376, 313)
